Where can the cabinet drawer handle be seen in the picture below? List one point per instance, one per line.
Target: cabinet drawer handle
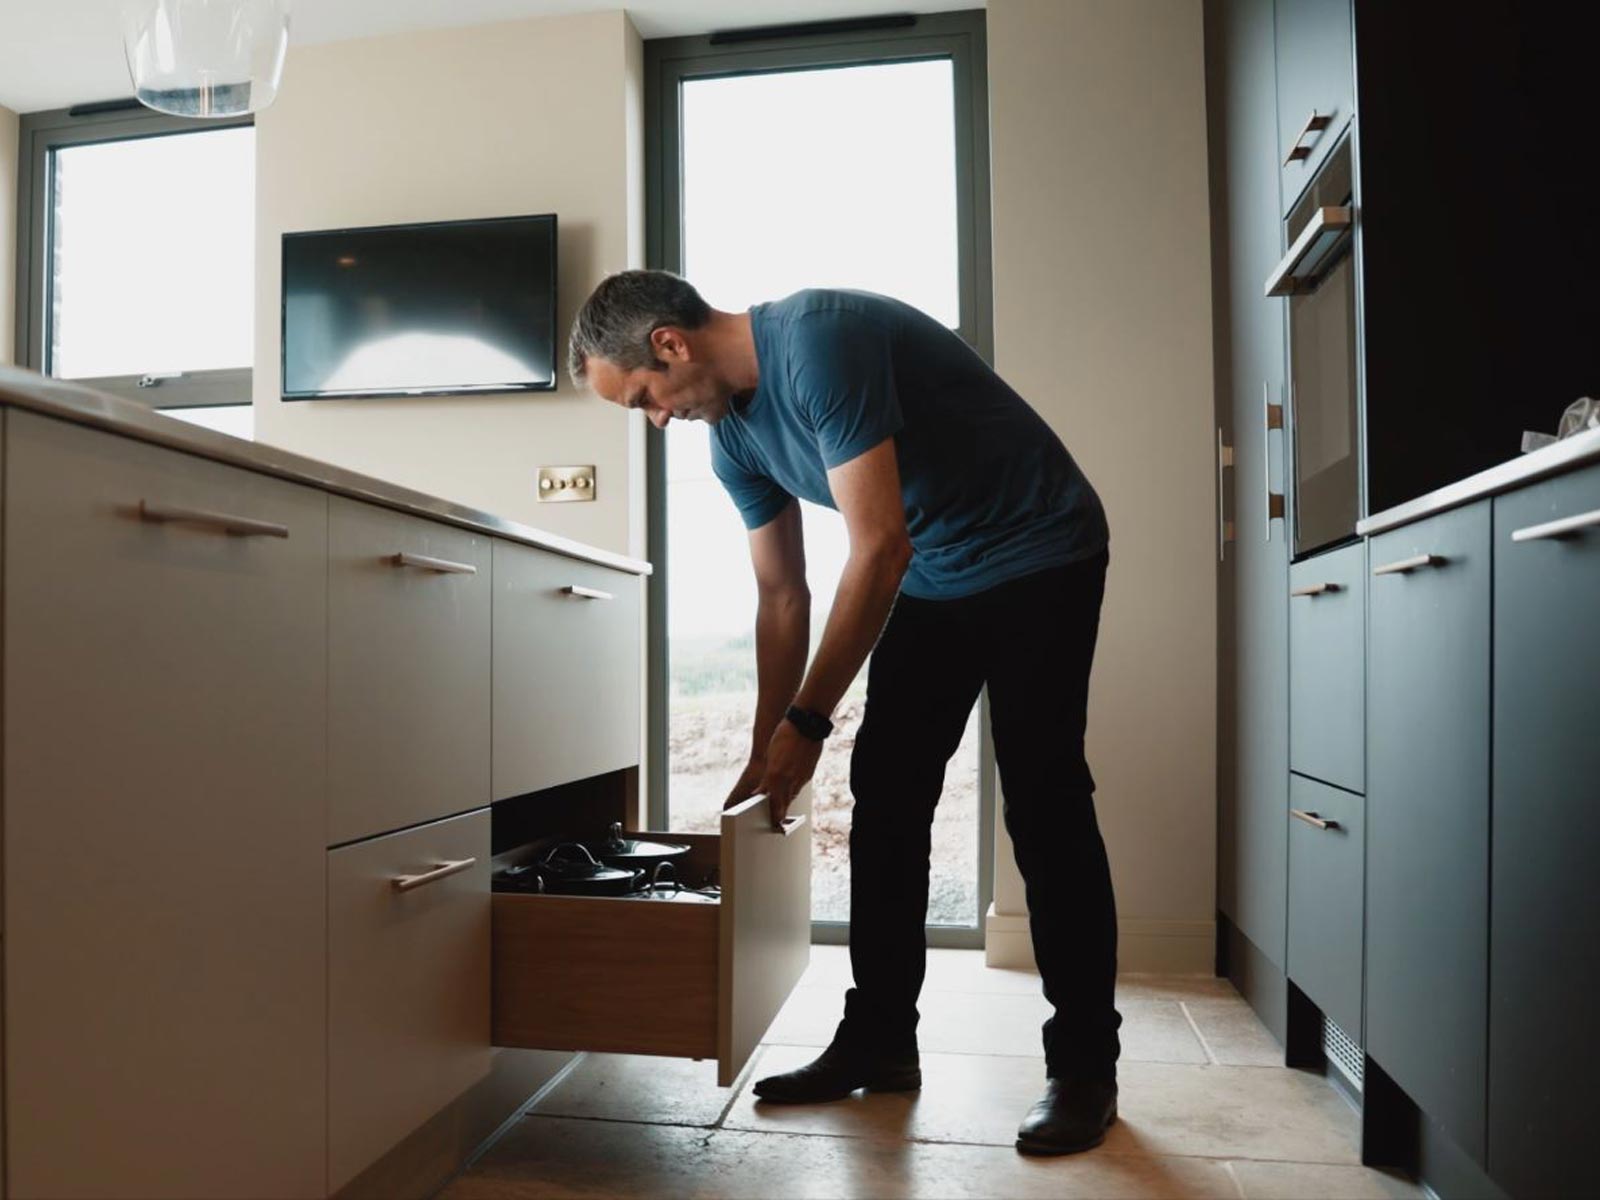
(1316, 589)
(1410, 564)
(1273, 420)
(1311, 818)
(586, 593)
(444, 565)
(404, 883)
(222, 522)
(1315, 123)
(1565, 527)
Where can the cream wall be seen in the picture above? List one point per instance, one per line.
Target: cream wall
(8, 232)
(1102, 320)
(520, 117)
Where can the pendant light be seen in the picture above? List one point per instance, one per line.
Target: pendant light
(205, 58)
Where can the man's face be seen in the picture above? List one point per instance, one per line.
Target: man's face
(677, 388)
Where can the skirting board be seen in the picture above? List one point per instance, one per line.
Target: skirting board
(1156, 947)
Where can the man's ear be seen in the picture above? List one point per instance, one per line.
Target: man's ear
(669, 344)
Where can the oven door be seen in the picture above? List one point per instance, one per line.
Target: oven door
(1322, 401)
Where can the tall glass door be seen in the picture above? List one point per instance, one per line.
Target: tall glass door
(822, 177)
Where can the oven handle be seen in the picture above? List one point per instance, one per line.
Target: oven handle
(1300, 269)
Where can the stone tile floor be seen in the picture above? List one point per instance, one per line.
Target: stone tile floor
(1206, 1110)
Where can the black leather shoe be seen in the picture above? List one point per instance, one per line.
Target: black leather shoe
(1072, 1115)
(840, 1070)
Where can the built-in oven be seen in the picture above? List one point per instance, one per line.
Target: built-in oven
(1317, 275)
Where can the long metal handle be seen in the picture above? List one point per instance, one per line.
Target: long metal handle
(586, 593)
(1273, 420)
(404, 883)
(1311, 818)
(1565, 527)
(223, 522)
(1315, 589)
(1315, 123)
(1410, 564)
(1299, 269)
(444, 565)
(1224, 526)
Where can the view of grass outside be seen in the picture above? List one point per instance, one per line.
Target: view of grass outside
(829, 178)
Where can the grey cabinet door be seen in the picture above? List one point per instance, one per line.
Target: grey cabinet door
(1327, 667)
(165, 801)
(1544, 962)
(1253, 583)
(1316, 74)
(1325, 888)
(1428, 816)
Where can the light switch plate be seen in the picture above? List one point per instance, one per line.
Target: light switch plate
(560, 485)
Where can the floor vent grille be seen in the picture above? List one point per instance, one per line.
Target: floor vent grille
(1342, 1052)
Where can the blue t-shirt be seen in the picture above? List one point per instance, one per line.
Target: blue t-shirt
(990, 492)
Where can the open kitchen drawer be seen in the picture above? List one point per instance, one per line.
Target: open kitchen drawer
(632, 976)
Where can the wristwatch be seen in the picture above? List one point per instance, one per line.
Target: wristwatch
(811, 725)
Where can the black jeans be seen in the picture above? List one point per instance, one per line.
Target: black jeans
(1031, 640)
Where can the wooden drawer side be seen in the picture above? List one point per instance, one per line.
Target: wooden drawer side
(614, 975)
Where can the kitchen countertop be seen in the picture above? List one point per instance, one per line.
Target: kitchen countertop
(84, 406)
(1566, 455)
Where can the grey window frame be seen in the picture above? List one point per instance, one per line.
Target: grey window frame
(41, 134)
(669, 62)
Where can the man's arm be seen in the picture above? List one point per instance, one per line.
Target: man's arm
(783, 634)
(867, 491)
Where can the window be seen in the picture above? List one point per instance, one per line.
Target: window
(138, 244)
(800, 163)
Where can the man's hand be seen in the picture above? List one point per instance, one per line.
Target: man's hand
(749, 782)
(791, 761)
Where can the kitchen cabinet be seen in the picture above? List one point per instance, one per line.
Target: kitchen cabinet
(566, 670)
(685, 979)
(1327, 667)
(1326, 853)
(1427, 930)
(408, 983)
(1316, 86)
(165, 784)
(1254, 577)
(408, 670)
(1544, 959)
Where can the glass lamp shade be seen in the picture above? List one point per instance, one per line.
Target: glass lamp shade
(205, 58)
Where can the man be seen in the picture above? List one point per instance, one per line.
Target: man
(976, 538)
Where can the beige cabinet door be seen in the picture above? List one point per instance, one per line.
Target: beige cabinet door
(408, 670)
(566, 669)
(408, 984)
(165, 772)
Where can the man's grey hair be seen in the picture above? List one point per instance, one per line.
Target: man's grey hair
(616, 321)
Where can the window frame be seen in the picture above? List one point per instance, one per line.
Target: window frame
(669, 62)
(43, 133)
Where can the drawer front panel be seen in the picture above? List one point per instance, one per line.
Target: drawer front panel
(408, 670)
(1428, 815)
(1325, 904)
(165, 804)
(408, 984)
(566, 670)
(1327, 667)
(1545, 908)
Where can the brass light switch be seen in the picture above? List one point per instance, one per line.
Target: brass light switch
(563, 484)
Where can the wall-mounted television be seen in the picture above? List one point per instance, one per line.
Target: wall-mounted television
(436, 309)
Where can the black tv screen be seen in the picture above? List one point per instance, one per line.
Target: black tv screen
(442, 308)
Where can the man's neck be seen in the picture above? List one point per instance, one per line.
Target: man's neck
(732, 346)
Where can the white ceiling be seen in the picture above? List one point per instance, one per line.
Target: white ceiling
(59, 52)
